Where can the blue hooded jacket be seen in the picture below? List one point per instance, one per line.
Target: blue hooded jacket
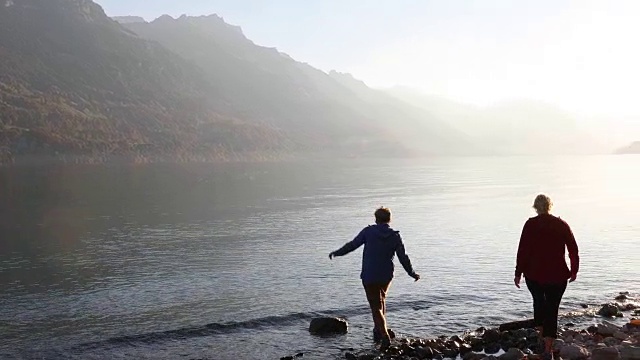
(381, 244)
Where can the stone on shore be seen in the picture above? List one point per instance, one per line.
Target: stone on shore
(630, 353)
(491, 336)
(512, 354)
(516, 325)
(492, 348)
(620, 335)
(607, 329)
(607, 353)
(558, 344)
(424, 352)
(574, 352)
(473, 356)
(298, 355)
(328, 326)
(610, 310)
(611, 341)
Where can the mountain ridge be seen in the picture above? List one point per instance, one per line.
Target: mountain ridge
(76, 84)
(516, 126)
(633, 148)
(252, 72)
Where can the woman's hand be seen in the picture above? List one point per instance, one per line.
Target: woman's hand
(516, 280)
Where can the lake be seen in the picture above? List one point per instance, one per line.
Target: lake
(230, 261)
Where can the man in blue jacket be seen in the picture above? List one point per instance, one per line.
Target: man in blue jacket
(381, 244)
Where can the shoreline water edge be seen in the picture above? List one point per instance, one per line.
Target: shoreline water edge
(616, 337)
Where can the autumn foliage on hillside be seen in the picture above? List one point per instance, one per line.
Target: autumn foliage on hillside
(76, 85)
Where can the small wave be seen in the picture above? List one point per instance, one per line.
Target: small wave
(234, 326)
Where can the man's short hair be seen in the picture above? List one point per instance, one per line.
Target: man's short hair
(383, 215)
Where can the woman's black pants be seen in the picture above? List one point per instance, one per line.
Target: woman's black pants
(546, 302)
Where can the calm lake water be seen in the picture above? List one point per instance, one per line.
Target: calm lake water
(230, 261)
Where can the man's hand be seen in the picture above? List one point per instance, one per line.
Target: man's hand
(331, 256)
(573, 278)
(415, 276)
(516, 280)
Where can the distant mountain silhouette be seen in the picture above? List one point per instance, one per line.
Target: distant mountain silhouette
(633, 148)
(128, 19)
(523, 127)
(267, 86)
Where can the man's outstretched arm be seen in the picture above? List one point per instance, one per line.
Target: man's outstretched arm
(404, 260)
(350, 246)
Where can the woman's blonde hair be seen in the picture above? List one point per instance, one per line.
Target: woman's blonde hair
(542, 204)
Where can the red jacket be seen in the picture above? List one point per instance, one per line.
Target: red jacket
(541, 253)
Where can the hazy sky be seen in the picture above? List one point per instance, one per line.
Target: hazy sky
(582, 55)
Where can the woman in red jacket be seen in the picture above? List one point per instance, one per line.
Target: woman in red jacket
(541, 258)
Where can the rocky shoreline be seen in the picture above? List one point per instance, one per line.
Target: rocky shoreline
(515, 340)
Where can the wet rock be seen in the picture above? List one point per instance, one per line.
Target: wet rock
(558, 344)
(507, 344)
(491, 336)
(492, 348)
(609, 310)
(607, 329)
(473, 356)
(570, 324)
(512, 354)
(350, 356)
(418, 343)
(296, 356)
(521, 333)
(536, 348)
(491, 357)
(608, 353)
(477, 344)
(622, 297)
(574, 352)
(584, 306)
(450, 353)
(456, 338)
(438, 357)
(592, 329)
(620, 335)
(328, 326)
(630, 353)
(533, 336)
(628, 307)
(515, 325)
(366, 357)
(424, 352)
(394, 350)
(611, 341)
(465, 348)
